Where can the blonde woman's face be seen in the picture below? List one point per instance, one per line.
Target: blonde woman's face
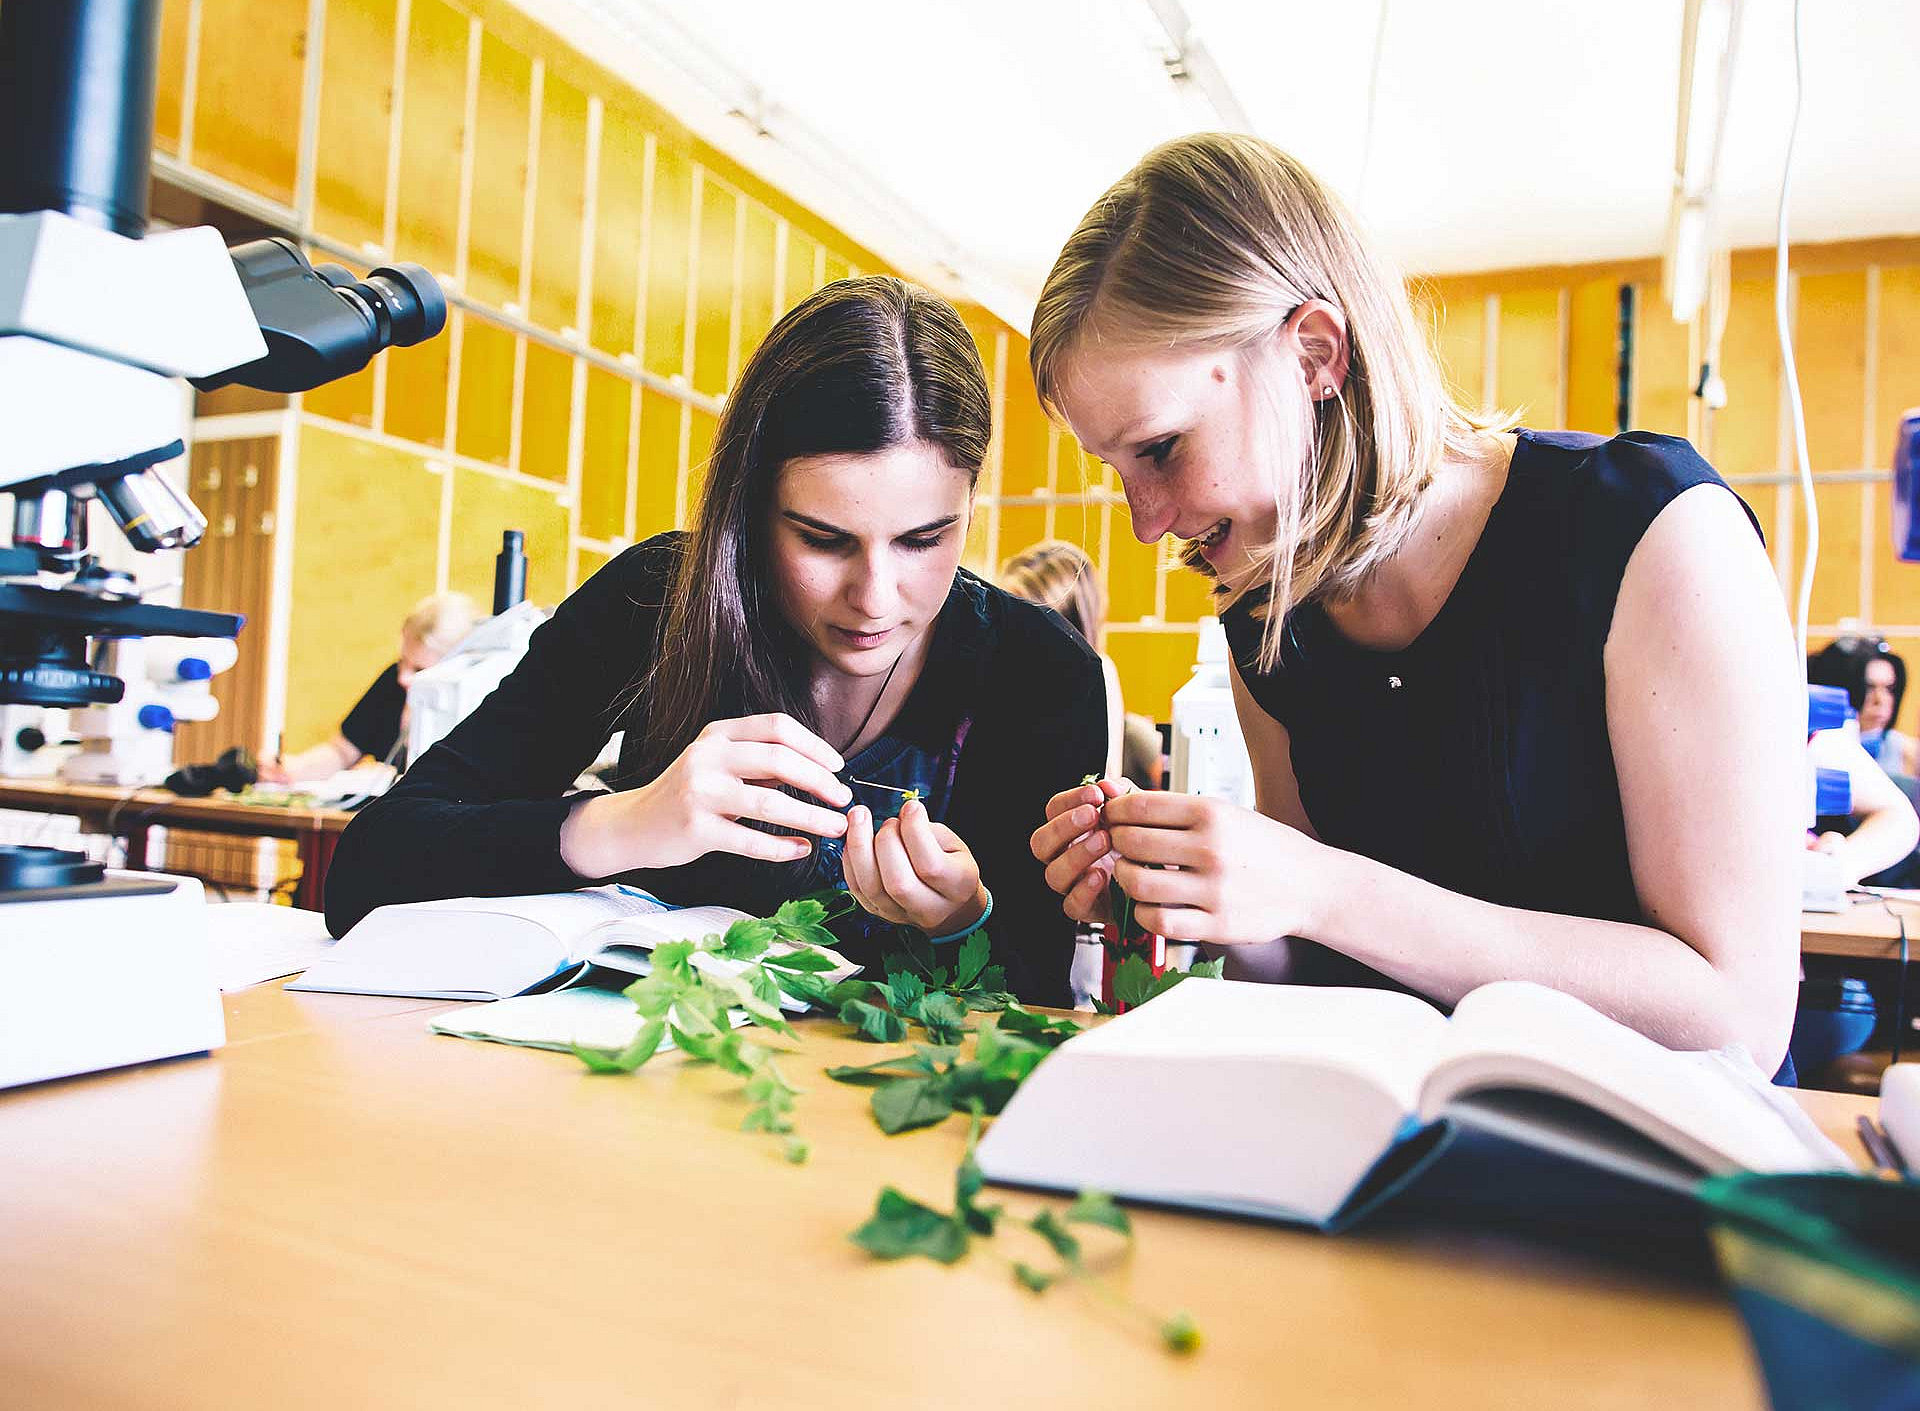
(1180, 428)
(863, 550)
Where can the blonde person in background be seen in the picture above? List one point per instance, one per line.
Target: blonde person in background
(376, 725)
(1520, 704)
(1059, 575)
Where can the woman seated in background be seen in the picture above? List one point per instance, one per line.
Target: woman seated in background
(1875, 679)
(806, 657)
(1520, 704)
(377, 724)
(1058, 574)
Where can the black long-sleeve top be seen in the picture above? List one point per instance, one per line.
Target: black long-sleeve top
(1009, 709)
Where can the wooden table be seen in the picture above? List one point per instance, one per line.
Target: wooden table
(130, 813)
(341, 1210)
(1870, 927)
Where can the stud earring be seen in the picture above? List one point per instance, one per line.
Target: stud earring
(1327, 391)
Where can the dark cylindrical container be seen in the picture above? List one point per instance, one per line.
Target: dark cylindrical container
(509, 571)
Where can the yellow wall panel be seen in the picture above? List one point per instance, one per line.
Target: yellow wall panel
(364, 552)
(356, 103)
(1078, 522)
(802, 251)
(659, 468)
(417, 391)
(246, 110)
(588, 562)
(758, 297)
(1593, 353)
(546, 415)
(619, 222)
(1132, 578)
(170, 77)
(559, 205)
(346, 399)
(1458, 327)
(1908, 720)
(485, 505)
(1528, 355)
(432, 133)
(603, 462)
(838, 267)
(485, 418)
(975, 556)
(669, 245)
(1152, 665)
(1830, 349)
(1896, 585)
(701, 429)
(1020, 526)
(1663, 367)
(713, 328)
(1745, 436)
(1189, 593)
(499, 205)
(1027, 438)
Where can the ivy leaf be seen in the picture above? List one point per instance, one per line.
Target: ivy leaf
(672, 962)
(901, 1227)
(805, 959)
(971, 960)
(1048, 1227)
(945, 1018)
(797, 1151)
(1097, 1208)
(814, 990)
(801, 911)
(738, 991)
(904, 991)
(1209, 969)
(922, 1062)
(1038, 1028)
(967, 1185)
(1181, 1334)
(745, 940)
(1100, 1006)
(1032, 1279)
(1132, 982)
(763, 984)
(629, 1058)
(882, 1026)
(906, 1103)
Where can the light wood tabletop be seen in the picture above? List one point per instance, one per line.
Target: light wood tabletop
(1870, 927)
(341, 1210)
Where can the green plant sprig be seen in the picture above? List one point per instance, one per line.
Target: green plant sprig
(902, 1227)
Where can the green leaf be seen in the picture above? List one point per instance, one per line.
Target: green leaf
(763, 985)
(737, 991)
(745, 940)
(901, 1227)
(797, 1151)
(673, 960)
(904, 991)
(1039, 1028)
(920, 1063)
(967, 1185)
(945, 1018)
(1032, 1279)
(880, 1025)
(801, 911)
(803, 959)
(1209, 969)
(974, 952)
(1048, 1227)
(1100, 1006)
(1132, 982)
(1097, 1208)
(906, 1103)
(1181, 1334)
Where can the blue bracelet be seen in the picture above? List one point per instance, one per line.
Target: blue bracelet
(966, 931)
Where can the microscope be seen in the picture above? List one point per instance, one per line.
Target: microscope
(99, 323)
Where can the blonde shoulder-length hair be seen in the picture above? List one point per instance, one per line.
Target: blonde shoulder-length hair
(1215, 240)
(1059, 575)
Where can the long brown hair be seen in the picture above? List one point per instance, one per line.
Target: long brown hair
(862, 365)
(1214, 240)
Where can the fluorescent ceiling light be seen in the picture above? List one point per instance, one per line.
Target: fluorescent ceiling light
(1709, 38)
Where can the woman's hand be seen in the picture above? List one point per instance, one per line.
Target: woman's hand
(1201, 869)
(703, 802)
(1074, 847)
(913, 871)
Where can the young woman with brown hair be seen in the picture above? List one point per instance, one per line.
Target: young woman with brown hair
(786, 672)
(1521, 705)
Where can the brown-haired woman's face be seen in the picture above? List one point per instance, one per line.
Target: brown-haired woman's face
(1876, 705)
(1179, 427)
(863, 549)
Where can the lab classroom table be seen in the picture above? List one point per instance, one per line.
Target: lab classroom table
(339, 1209)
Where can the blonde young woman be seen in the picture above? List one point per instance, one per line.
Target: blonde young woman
(1060, 576)
(1521, 705)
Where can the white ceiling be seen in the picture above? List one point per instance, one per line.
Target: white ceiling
(963, 141)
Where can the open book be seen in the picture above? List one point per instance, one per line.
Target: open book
(1307, 1104)
(491, 947)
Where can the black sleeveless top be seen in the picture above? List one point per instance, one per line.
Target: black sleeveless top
(1477, 757)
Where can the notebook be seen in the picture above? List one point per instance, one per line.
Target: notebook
(474, 948)
(1313, 1104)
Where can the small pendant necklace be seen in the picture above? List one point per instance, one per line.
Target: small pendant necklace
(867, 719)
